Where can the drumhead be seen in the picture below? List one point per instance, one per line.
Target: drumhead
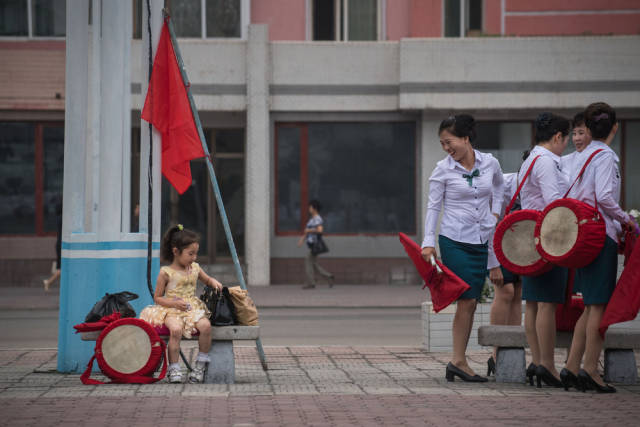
(126, 348)
(518, 244)
(558, 231)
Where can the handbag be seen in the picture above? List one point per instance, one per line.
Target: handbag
(568, 313)
(223, 312)
(246, 311)
(319, 246)
(112, 303)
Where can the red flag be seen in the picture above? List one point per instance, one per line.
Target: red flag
(625, 301)
(445, 287)
(167, 108)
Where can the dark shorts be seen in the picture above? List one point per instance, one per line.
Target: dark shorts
(548, 287)
(508, 276)
(468, 261)
(597, 280)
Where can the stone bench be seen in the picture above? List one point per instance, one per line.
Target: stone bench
(222, 368)
(619, 359)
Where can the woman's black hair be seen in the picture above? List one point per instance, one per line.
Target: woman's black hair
(176, 237)
(460, 125)
(578, 120)
(549, 124)
(600, 118)
(315, 205)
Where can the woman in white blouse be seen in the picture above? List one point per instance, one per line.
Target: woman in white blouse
(600, 182)
(546, 183)
(467, 186)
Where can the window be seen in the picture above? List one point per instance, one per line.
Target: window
(349, 20)
(214, 18)
(462, 15)
(48, 18)
(31, 177)
(362, 173)
(631, 174)
(507, 141)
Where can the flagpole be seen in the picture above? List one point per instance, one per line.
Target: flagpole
(212, 174)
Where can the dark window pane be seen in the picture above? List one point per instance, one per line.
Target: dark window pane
(364, 176)
(49, 18)
(288, 181)
(363, 20)
(324, 20)
(223, 18)
(475, 15)
(186, 16)
(452, 18)
(53, 142)
(230, 174)
(190, 208)
(631, 169)
(17, 183)
(506, 141)
(13, 18)
(137, 18)
(229, 140)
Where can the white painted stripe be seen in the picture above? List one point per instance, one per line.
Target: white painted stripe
(113, 253)
(573, 12)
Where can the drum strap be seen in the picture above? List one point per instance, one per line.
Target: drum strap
(582, 171)
(515, 196)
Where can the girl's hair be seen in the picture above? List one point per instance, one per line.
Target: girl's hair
(599, 118)
(549, 124)
(176, 237)
(315, 205)
(578, 120)
(460, 125)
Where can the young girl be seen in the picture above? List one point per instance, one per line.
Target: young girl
(600, 182)
(467, 186)
(177, 306)
(542, 293)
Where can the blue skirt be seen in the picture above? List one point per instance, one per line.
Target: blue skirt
(467, 261)
(597, 280)
(548, 287)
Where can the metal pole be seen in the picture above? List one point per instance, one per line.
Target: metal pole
(212, 174)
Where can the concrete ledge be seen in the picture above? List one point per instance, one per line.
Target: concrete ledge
(219, 333)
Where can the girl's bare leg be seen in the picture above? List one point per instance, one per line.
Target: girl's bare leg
(175, 328)
(204, 340)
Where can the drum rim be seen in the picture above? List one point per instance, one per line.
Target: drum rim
(537, 268)
(154, 356)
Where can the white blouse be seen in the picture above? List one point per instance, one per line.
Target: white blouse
(467, 202)
(546, 182)
(601, 181)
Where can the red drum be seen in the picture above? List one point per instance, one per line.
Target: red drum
(128, 351)
(514, 244)
(571, 233)
(513, 241)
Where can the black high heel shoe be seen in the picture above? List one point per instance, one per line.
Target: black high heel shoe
(453, 371)
(588, 383)
(543, 375)
(531, 372)
(569, 379)
(491, 366)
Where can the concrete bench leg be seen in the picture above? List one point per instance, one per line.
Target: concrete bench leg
(510, 365)
(222, 368)
(620, 366)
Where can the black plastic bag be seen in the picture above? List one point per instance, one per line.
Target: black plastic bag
(223, 312)
(110, 303)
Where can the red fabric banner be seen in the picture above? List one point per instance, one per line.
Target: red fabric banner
(167, 108)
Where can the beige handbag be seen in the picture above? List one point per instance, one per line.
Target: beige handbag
(246, 311)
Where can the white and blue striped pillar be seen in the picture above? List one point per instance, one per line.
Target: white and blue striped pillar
(99, 254)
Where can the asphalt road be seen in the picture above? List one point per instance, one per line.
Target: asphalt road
(279, 327)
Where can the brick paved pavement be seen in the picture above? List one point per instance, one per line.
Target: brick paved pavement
(311, 386)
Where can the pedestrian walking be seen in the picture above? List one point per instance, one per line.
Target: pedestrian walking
(467, 186)
(56, 270)
(312, 235)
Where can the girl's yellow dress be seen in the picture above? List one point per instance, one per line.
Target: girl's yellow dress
(181, 284)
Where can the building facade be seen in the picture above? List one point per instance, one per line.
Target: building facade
(318, 99)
